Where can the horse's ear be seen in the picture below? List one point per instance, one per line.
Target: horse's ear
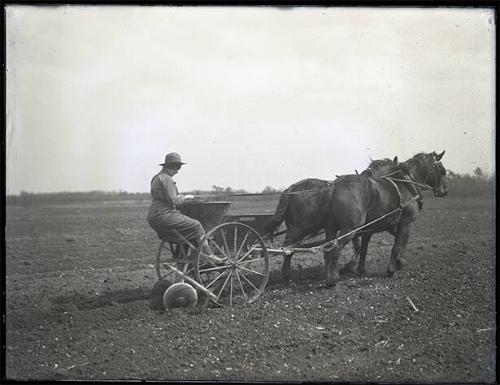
(395, 160)
(439, 156)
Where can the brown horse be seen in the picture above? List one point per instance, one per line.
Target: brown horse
(304, 208)
(362, 201)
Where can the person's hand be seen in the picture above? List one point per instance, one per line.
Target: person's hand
(188, 196)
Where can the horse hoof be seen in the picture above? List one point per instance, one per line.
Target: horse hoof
(390, 273)
(400, 263)
(361, 273)
(330, 282)
(349, 267)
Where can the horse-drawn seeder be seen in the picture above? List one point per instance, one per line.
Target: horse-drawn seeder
(385, 197)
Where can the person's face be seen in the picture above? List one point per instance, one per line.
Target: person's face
(173, 169)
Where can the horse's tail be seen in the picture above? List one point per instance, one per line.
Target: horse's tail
(310, 184)
(279, 214)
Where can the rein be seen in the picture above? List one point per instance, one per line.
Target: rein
(424, 186)
(262, 194)
(331, 245)
(328, 246)
(417, 197)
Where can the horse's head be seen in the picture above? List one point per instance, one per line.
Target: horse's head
(381, 167)
(433, 172)
(438, 179)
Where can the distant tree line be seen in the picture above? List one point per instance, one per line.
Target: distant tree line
(30, 198)
(477, 184)
(217, 190)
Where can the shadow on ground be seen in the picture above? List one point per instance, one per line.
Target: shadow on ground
(83, 302)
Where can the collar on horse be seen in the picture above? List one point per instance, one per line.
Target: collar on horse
(412, 184)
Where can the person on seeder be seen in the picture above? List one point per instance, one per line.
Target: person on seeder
(163, 215)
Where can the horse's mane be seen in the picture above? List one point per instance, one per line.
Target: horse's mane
(421, 159)
(392, 167)
(420, 156)
(402, 167)
(377, 162)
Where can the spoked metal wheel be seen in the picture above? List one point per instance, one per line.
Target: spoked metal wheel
(176, 255)
(239, 269)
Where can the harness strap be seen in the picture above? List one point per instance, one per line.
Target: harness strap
(328, 246)
(299, 192)
(417, 197)
(400, 200)
(397, 190)
(416, 185)
(413, 187)
(412, 180)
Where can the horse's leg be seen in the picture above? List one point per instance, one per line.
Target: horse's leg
(349, 267)
(331, 266)
(331, 258)
(365, 240)
(328, 262)
(400, 242)
(401, 262)
(285, 269)
(290, 236)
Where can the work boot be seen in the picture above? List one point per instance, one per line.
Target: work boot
(213, 259)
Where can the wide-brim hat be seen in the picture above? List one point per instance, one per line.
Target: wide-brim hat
(172, 158)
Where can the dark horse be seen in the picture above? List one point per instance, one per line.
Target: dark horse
(304, 208)
(358, 200)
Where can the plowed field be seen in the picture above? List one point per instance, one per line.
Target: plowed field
(79, 279)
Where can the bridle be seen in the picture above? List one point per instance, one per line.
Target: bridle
(411, 179)
(436, 172)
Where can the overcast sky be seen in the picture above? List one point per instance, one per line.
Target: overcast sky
(249, 96)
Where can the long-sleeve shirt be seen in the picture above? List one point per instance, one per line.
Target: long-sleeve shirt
(163, 217)
(164, 193)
